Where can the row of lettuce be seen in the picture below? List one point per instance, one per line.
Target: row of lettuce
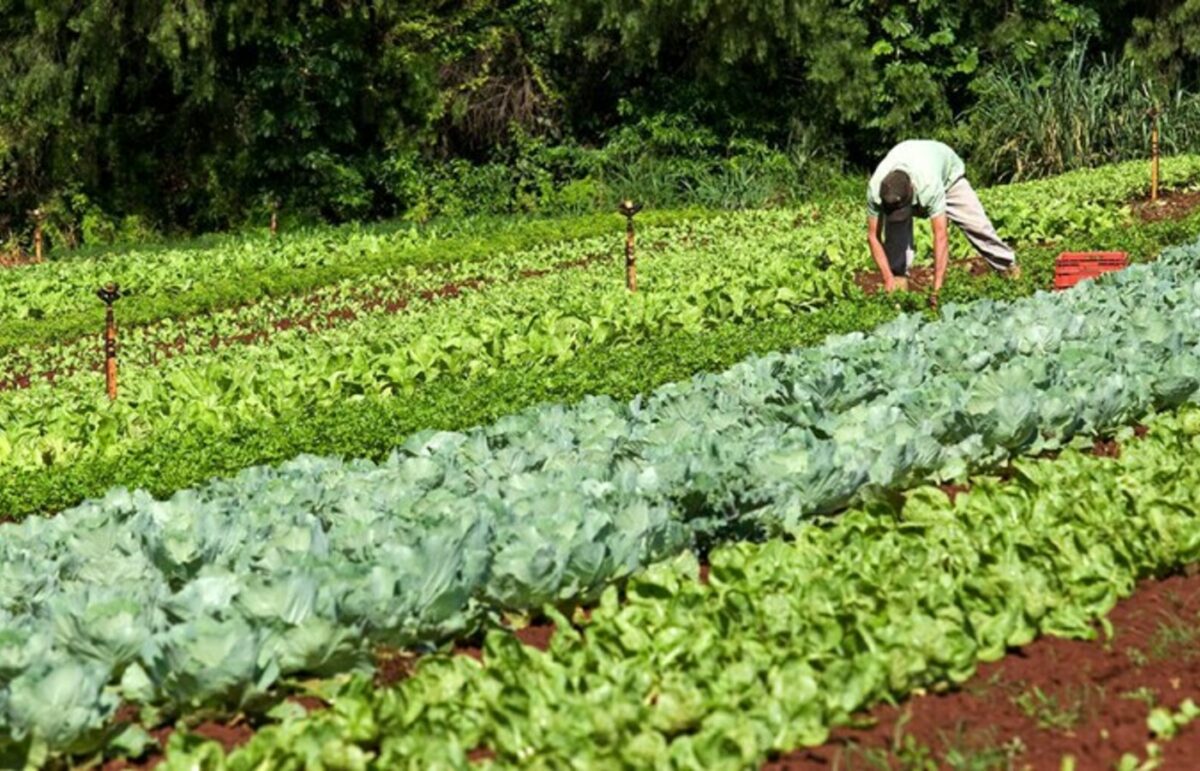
(211, 598)
(788, 639)
(55, 301)
(746, 268)
(467, 314)
(407, 288)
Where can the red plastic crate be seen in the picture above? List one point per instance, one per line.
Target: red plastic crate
(1073, 267)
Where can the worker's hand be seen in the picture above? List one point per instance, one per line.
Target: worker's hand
(889, 284)
(933, 300)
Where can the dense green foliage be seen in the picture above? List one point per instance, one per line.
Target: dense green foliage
(183, 457)
(208, 598)
(55, 302)
(1075, 115)
(121, 117)
(503, 431)
(63, 441)
(786, 639)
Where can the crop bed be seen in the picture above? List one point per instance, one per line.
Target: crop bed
(55, 301)
(711, 574)
(1093, 701)
(221, 595)
(784, 640)
(1096, 702)
(519, 321)
(326, 309)
(1172, 205)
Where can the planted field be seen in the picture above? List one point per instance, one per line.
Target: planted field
(232, 595)
(526, 384)
(709, 532)
(326, 308)
(548, 319)
(55, 301)
(278, 362)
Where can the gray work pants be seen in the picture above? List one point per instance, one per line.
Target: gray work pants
(964, 210)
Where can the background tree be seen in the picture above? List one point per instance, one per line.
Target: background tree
(121, 115)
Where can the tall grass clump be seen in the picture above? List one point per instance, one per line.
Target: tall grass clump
(1076, 113)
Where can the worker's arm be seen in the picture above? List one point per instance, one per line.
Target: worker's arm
(874, 230)
(941, 250)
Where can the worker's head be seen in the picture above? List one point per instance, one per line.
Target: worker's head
(896, 192)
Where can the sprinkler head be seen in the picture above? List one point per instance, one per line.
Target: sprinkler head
(629, 208)
(109, 293)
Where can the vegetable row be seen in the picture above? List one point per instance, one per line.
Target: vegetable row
(372, 427)
(56, 301)
(212, 596)
(786, 639)
(734, 277)
(744, 268)
(407, 289)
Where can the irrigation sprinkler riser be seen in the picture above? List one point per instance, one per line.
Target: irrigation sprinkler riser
(109, 294)
(629, 209)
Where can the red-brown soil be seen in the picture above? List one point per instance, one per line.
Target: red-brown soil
(393, 665)
(952, 491)
(230, 735)
(920, 277)
(1172, 205)
(1106, 448)
(1050, 699)
(480, 754)
(537, 635)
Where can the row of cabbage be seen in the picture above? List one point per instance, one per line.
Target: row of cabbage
(741, 268)
(788, 638)
(214, 595)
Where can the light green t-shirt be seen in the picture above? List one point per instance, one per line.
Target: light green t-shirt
(933, 168)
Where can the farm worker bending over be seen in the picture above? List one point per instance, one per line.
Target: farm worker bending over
(925, 178)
